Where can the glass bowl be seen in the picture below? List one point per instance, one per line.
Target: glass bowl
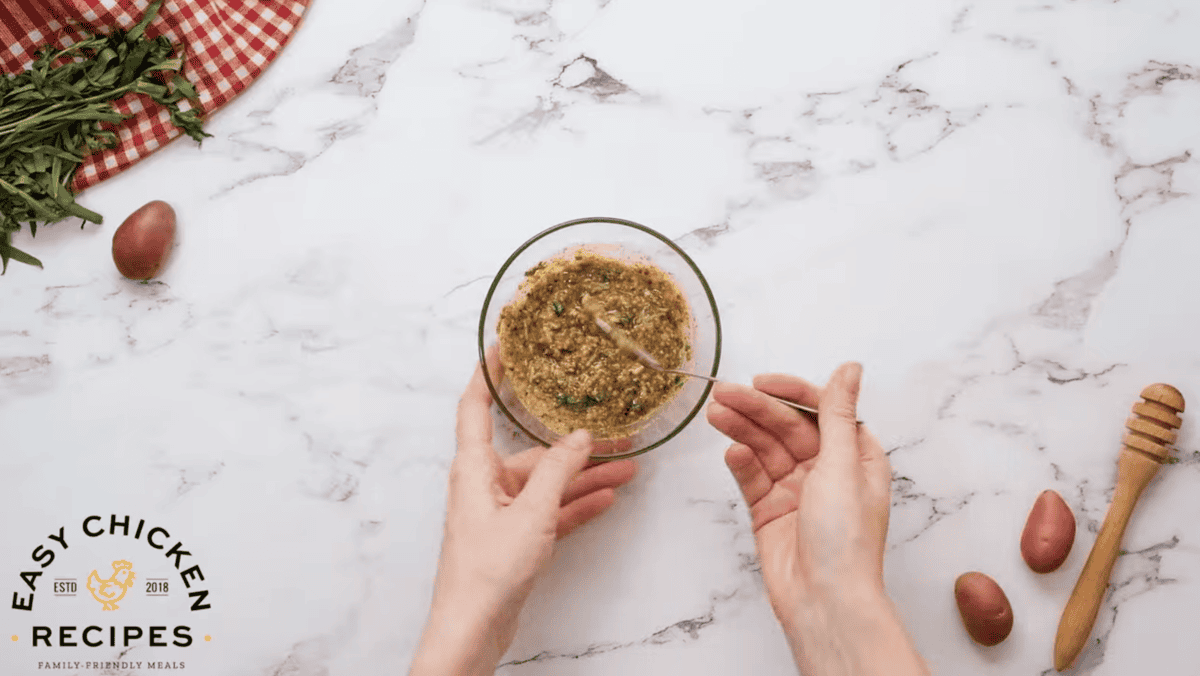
(631, 243)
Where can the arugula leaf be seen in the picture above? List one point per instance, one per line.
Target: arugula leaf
(51, 117)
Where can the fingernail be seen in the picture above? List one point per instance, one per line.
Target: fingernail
(579, 439)
(854, 372)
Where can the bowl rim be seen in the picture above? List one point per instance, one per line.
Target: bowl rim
(487, 302)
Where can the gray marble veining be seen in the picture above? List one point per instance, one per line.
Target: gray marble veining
(991, 205)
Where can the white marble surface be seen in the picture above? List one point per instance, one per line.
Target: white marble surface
(991, 204)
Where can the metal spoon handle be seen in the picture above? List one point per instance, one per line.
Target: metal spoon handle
(788, 402)
(799, 407)
(626, 343)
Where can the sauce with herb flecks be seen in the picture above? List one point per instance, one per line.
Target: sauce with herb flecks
(566, 371)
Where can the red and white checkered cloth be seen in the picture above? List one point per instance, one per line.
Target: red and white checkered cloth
(228, 42)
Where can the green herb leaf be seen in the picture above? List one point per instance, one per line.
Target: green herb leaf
(588, 401)
(8, 251)
(51, 117)
(558, 307)
(140, 29)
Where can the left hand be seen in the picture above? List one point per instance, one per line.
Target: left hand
(503, 518)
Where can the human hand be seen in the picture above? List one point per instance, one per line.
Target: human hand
(503, 518)
(819, 500)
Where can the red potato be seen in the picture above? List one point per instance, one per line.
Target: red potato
(143, 242)
(1049, 533)
(985, 610)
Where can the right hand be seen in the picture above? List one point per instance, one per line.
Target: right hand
(819, 502)
(818, 498)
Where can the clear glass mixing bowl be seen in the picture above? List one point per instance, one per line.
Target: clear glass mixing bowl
(632, 243)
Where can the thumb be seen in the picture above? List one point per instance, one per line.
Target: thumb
(554, 470)
(838, 419)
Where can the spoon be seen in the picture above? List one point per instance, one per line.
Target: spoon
(626, 343)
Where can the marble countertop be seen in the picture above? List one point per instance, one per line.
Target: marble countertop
(992, 205)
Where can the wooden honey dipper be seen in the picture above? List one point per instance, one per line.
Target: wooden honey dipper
(1146, 446)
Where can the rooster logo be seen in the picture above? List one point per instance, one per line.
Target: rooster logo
(109, 591)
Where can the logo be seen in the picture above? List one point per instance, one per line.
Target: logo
(113, 589)
(64, 595)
